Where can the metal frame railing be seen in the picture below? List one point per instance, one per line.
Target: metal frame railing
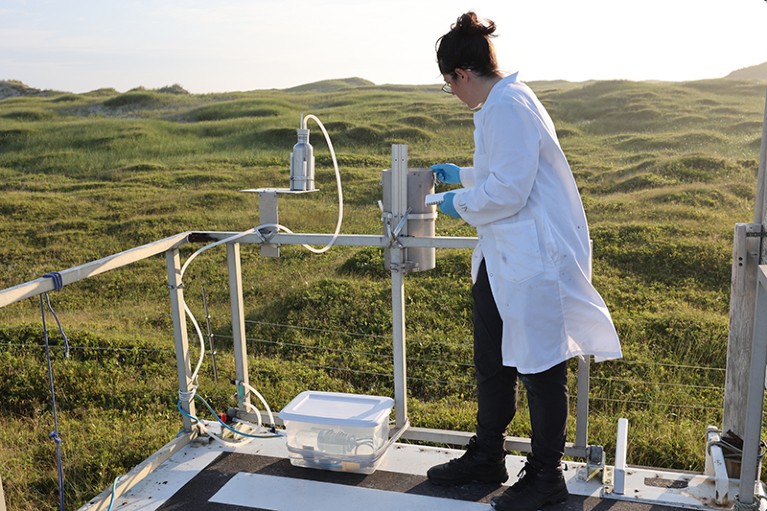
(752, 445)
(169, 247)
(397, 244)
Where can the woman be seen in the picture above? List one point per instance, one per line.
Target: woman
(534, 306)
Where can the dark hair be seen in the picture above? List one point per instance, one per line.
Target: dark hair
(468, 46)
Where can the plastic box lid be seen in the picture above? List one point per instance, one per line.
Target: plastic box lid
(352, 410)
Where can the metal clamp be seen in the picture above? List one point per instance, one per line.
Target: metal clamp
(266, 234)
(401, 223)
(595, 463)
(393, 235)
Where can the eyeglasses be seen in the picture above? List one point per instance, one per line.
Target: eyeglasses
(447, 88)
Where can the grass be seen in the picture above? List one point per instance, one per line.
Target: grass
(665, 171)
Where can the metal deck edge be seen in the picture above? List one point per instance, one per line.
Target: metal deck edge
(136, 475)
(649, 487)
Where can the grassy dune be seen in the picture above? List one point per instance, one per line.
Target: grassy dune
(665, 170)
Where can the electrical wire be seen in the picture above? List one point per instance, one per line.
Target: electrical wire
(55, 434)
(114, 491)
(248, 436)
(189, 395)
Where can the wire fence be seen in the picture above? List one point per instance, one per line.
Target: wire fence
(439, 368)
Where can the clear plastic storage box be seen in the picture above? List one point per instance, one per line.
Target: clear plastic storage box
(335, 431)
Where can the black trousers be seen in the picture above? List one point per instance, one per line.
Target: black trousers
(547, 394)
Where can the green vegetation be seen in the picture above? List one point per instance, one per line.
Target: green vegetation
(665, 170)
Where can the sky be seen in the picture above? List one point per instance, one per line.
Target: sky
(239, 45)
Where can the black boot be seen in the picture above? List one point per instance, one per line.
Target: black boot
(473, 466)
(537, 487)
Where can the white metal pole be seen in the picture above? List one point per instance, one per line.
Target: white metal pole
(621, 446)
(398, 338)
(183, 364)
(751, 443)
(238, 320)
(69, 276)
(399, 208)
(583, 385)
(582, 403)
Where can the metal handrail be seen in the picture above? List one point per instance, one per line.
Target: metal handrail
(170, 247)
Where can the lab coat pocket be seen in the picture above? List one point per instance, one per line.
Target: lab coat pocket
(518, 252)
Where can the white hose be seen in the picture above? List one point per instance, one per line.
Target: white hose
(263, 401)
(222, 441)
(193, 389)
(338, 187)
(186, 307)
(202, 344)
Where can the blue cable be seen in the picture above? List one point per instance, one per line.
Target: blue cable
(276, 434)
(55, 434)
(114, 490)
(195, 419)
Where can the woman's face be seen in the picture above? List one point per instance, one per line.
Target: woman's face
(462, 84)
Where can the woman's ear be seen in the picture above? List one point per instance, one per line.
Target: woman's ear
(461, 73)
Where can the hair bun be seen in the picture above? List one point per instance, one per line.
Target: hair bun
(469, 24)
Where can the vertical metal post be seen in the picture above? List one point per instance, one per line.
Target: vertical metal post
(582, 403)
(238, 319)
(751, 439)
(583, 385)
(621, 441)
(398, 338)
(183, 366)
(399, 209)
(268, 215)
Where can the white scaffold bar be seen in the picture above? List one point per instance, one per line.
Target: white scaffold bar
(349, 240)
(82, 272)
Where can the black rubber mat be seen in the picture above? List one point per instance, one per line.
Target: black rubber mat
(196, 494)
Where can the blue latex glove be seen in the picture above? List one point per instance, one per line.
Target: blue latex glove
(448, 207)
(447, 173)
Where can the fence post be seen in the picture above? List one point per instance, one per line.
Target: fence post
(748, 253)
(745, 262)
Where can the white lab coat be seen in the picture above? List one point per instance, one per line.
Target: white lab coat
(522, 198)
